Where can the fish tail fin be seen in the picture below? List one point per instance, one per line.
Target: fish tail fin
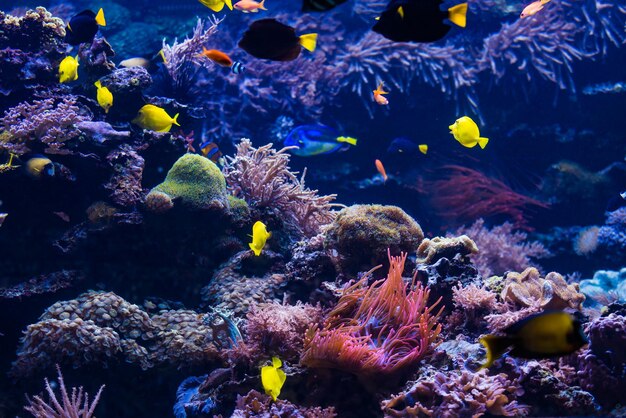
(175, 120)
(347, 140)
(483, 142)
(262, 5)
(202, 54)
(229, 4)
(496, 347)
(100, 20)
(309, 41)
(458, 14)
(256, 251)
(380, 89)
(98, 84)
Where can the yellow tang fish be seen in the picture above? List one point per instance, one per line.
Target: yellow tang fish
(423, 148)
(104, 96)
(466, 132)
(259, 237)
(68, 69)
(547, 334)
(155, 118)
(273, 378)
(217, 5)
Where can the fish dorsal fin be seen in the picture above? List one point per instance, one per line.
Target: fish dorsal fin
(98, 84)
(276, 362)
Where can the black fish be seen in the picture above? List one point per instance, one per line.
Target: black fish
(270, 39)
(320, 5)
(83, 27)
(418, 20)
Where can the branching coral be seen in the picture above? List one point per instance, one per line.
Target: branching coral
(49, 123)
(75, 406)
(501, 248)
(378, 331)
(466, 194)
(261, 177)
(454, 394)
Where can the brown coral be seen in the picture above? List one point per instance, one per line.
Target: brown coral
(528, 289)
(158, 202)
(431, 250)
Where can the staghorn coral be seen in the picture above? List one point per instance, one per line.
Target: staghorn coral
(246, 280)
(361, 233)
(379, 331)
(277, 329)
(454, 394)
(529, 289)
(197, 181)
(256, 404)
(76, 406)
(501, 248)
(261, 177)
(105, 328)
(49, 123)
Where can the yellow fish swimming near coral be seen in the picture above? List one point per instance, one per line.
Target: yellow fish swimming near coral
(466, 132)
(217, 5)
(68, 69)
(104, 96)
(273, 378)
(259, 237)
(155, 118)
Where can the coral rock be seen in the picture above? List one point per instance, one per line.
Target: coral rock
(255, 404)
(361, 234)
(431, 250)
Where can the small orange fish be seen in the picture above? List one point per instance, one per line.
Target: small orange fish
(217, 57)
(378, 95)
(381, 169)
(248, 6)
(533, 8)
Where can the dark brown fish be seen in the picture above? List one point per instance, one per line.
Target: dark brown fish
(272, 40)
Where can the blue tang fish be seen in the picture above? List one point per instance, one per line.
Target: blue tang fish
(316, 140)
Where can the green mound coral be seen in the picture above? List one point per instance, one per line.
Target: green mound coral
(196, 181)
(360, 235)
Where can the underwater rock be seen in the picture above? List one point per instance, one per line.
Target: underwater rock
(528, 289)
(457, 394)
(45, 283)
(158, 202)
(604, 288)
(360, 235)
(309, 266)
(246, 280)
(256, 404)
(95, 59)
(100, 131)
(105, 328)
(196, 181)
(125, 183)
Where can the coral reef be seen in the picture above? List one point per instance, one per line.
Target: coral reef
(105, 328)
(528, 289)
(246, 280)
(76, 406)
(361, 233)
(604, 288)
(501, 248)
(196, 181)
(45, 283)
(125, 183)
(612, 236)
(454, 394)
(255, 404)
(379, 331)
(431, 250)
(262, 178)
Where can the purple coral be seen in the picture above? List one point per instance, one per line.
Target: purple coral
(261, 177)
(49, 122)
(501, 248)
(76, 406)
(454, 394)
(612, 235)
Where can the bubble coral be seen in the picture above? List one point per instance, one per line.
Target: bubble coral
(196, 181)
(377, 332)
(529, 289)
(454, 394)
(361, 233)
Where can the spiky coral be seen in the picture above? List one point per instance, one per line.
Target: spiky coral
(76, 406)
(261, 177)
(501, 248)
(378, 331)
